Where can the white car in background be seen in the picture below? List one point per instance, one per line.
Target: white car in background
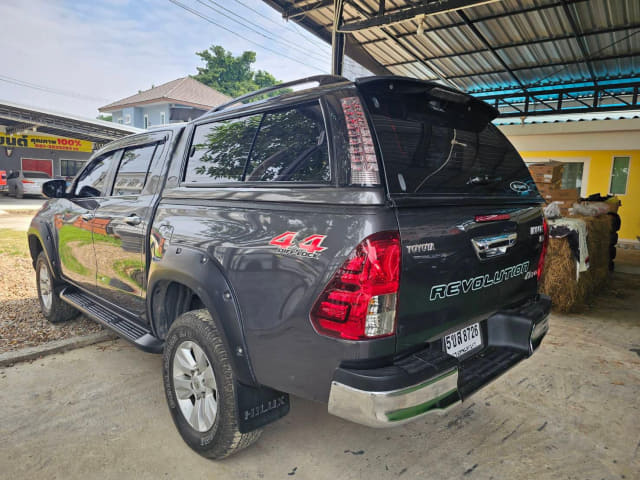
(25, 182)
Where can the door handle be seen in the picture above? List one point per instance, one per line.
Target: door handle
(133, 220)
(494, 246)
(87, 216)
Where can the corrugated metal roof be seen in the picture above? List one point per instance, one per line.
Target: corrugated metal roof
(490, 47)
(570, 117)
(16, 118)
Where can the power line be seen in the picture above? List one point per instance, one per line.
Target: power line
(295, 29)
(234, 18)
(35, 86)
(204, 17)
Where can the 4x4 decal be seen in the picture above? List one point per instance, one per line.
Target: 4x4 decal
(309, 247)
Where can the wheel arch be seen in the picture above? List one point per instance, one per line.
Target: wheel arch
(40, 239)
(169, 276)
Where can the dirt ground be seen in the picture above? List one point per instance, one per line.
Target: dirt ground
(572, 411)
(21, 323)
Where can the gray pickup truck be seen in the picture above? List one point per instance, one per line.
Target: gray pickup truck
(374, 245)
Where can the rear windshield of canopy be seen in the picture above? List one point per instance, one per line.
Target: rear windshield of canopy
(438, 142)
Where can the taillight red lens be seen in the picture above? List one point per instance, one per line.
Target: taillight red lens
(360, 300)
(27, 181)
(492, 218)
(362, 153)
(545, 243)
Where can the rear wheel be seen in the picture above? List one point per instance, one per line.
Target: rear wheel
(19, 192)
(52, 307)
(199, 385)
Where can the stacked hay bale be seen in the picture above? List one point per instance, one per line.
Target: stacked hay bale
(560, 281)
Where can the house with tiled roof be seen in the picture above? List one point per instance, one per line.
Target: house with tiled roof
(180, 100)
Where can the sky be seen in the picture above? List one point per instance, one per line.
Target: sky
(79, 55)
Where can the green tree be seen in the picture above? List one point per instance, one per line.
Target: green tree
(231, 75)
(105, 118)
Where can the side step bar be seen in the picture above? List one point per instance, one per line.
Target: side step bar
(127, 329)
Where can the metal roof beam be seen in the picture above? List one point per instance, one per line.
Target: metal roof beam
(337, 39)
(546, 65)
(485, 18)
(488, 46)
(580, 40)
(392, 37)
(522, 44)
(431, 8)
(297, 11)
(565, 91)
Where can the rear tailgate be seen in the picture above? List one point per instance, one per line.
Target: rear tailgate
(457, 271)
(468, 211)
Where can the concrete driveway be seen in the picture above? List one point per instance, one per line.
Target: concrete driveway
(570, 412)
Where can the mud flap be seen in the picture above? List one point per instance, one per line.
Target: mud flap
(259, 406)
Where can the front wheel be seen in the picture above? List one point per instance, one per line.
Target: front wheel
(53, 308)
(199, 386)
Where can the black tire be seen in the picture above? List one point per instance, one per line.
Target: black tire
(19, 192)
(56, 311)
(223, 438)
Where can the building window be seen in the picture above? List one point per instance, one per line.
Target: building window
(127, 119)
(70, 168)
(162, 118)
(572, 175)
(120, 121)
(146, 121)
(619, 175)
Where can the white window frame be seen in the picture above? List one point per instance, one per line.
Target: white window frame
(163, 118)
(626, 186)
(586, 161)
(127, 119)
(84, 162)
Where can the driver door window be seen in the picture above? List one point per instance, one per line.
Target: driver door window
(92, 182)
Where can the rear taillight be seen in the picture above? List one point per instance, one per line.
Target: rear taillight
(27, 181)
(360, 300)
(545, 243)
(362, 153)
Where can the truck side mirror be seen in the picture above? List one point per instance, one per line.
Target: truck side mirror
(54, 189)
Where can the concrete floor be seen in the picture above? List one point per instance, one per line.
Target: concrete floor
(571, 412)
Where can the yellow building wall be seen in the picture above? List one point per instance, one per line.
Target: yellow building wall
(600, 178)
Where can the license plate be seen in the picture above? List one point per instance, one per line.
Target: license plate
(463, 341)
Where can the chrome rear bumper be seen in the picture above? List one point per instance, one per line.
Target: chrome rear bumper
(395, 407)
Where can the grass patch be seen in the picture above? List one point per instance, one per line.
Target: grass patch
(13, 242)
(129, 270)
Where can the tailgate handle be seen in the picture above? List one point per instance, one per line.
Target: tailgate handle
(493, 246)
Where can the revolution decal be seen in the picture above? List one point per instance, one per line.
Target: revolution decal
(476, 283)
(309, 247)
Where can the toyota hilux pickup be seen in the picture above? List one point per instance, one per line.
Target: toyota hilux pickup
(374, 245)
